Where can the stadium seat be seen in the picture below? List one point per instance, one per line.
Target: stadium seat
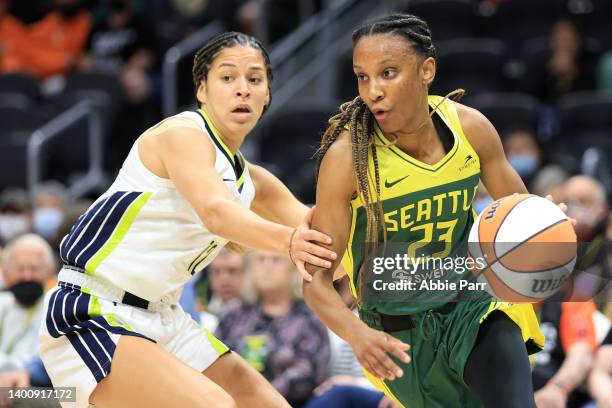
(19, 84)
(19, 119)
(81, 83)
(447, 19)
(585, 121)
(516, 21)
(14, 100)
(506, 110)
(473, 64)
(289, 138)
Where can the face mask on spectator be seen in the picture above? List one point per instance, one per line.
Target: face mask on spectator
(12, 225)
(46, 221)
(27, 293)
(525, 164)
(481, 203)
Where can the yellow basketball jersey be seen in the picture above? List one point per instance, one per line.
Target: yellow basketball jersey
(427, 207)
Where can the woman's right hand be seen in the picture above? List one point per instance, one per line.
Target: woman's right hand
(371, 348)
(303, 247)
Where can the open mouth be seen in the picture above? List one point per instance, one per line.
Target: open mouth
(242, 109)
(379, 113)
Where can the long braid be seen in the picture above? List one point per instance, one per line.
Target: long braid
(358, 117)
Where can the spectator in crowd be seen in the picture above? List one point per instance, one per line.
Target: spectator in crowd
(48, 211)
(125, 46)
(569, 67)
(226, 275)
(14, 214)
(600, 380)
(48, 47)
(346, 386)
(216, 290)
(587, 203)
(278, 334)
(523, 152)
(32, 375)
(549, 180)
(28, 267)
(563, 365)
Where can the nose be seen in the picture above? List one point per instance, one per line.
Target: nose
(242, 89)
(375, 92)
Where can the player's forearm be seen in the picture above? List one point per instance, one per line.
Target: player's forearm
(600, 384)
(230, 220)
(327, 304)
(575, 367)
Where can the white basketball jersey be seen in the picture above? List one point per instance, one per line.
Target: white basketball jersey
(142, 235)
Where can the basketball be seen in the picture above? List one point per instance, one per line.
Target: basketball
(528, 246)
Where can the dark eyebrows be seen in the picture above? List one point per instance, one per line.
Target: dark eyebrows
(383, 62)
(253, 67)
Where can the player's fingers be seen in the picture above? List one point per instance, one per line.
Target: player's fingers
(319, 251)
(313, 235)
(309, 216)
(392, 369)
(398, 348)
(302, 270)
(376, 368)
(314, 260)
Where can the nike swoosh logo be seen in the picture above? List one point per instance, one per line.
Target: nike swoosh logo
(391, 184)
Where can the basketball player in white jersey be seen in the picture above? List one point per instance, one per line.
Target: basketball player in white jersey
(113, 327)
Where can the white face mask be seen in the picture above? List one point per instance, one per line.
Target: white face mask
(46, 221)
(12, 225)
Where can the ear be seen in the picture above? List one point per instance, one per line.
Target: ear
(267, 98)
(428, 70)
(201, 92)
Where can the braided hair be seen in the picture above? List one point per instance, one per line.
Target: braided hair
(359, 119)
(206, 55)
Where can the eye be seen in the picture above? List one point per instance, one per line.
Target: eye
(255, 80)
(227, 78)
(389, 73)
(361, 77)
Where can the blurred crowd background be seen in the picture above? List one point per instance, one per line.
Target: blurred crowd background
(81, 79)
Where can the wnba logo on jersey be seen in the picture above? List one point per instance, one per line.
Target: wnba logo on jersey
(469, 161)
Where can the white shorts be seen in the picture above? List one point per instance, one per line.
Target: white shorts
(81, 330)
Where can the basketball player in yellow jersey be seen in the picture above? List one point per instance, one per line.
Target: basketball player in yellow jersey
(399, 165)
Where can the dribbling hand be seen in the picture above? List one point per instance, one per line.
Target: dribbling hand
(371, 348)
(303, 247)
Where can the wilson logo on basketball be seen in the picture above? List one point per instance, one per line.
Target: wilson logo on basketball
(491, 211)
(546, 285)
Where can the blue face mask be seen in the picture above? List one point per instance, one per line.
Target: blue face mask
(46, 221)
(525, 164)
(481, 203)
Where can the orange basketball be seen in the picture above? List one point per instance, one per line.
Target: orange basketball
(528, 247)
